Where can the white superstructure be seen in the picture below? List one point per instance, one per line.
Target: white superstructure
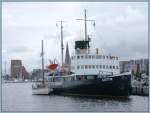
(85, 63)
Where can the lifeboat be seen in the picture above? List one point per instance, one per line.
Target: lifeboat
(52, 66)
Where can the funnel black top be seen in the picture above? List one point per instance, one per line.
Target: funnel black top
(82, 44)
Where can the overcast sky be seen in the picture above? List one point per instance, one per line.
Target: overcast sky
(121, 29)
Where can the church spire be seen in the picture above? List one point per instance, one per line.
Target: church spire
(67, 58)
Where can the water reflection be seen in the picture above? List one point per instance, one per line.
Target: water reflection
(87, 103)
(18, 97)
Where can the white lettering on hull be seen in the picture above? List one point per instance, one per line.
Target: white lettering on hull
(106, 79)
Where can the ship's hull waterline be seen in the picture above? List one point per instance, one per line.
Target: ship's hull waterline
(110, 86)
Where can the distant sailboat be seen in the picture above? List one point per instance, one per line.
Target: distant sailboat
(41, 88)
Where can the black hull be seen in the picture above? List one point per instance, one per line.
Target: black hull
(113, 86)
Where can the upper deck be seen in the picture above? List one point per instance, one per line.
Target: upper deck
(83, 64)
(87, 62)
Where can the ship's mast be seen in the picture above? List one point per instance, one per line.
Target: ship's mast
(62, 46)
(85, 24)
(87, 40)
(42, 62)
(5, 68)
(62, 43)
(85, 27)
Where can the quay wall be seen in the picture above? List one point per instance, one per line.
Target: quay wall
(144, 91)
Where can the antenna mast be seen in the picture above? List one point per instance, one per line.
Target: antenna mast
(85, 27)
(85, 20)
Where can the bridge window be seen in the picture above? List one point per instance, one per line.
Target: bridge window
(81, 57)
(104, 66)
(89, 66)
(78, 57)
(110, 67)
(113, 67)
(78, 67)
(89, 56)
(107, 57)
(86, 66)
(93, 66)
(97, 66)
(113, 57)
(100, 66)
(93, 56)
(110, 57)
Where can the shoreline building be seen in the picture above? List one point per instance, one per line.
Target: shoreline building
(18, 70)
(25, 74)
(136, 66)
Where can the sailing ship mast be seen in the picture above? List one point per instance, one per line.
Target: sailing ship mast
(5, 69)
(42, 63)
(62, 46)
(62, 43)
(85, 24)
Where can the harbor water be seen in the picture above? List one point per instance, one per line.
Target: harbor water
(18, 97)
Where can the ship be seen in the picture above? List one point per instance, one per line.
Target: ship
(91, 73)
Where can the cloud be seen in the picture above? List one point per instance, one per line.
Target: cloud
(19, 49)
(121, 29)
